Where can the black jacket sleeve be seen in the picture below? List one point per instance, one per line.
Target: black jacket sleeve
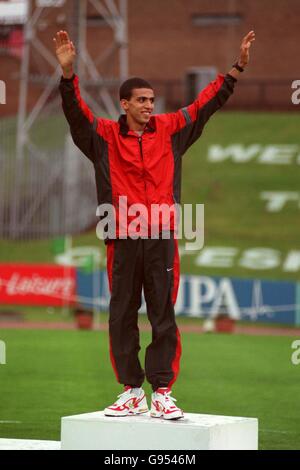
(83, 124)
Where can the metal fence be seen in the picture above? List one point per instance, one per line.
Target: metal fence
(49, 192)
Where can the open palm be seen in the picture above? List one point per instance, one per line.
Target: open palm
(244, 49)
(64, 49)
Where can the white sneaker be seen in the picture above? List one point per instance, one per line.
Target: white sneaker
(131, 402)
(163, 406)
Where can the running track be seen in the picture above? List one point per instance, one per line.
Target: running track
(239, 329)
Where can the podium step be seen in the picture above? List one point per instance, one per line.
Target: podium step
(28, 444)
(94, 431)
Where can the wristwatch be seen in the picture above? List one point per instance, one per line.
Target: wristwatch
(238, 67)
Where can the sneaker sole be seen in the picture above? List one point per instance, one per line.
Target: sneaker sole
(167, 417)
(129, 413)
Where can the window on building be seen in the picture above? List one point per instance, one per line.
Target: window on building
(96, 20)
(218, 19)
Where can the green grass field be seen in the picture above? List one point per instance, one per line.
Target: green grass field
(50, 374)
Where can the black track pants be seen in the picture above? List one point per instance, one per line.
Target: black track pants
(154, 266)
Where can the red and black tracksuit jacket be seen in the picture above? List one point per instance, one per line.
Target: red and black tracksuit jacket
(147, 170)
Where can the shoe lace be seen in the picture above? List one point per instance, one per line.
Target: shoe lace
(123, 397)
(169, 400)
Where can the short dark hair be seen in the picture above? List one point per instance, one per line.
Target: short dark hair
(127, 87)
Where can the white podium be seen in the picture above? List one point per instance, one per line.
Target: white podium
(94, 431)
(28, 444)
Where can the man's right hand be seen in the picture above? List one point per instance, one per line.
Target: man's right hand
(65, 52)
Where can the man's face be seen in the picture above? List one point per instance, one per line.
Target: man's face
(140, 106)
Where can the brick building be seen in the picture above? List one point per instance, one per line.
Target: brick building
(168, 37)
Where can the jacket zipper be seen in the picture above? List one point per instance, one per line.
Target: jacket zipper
(141, 148)
(142, 157)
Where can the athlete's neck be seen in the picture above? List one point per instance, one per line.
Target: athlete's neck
(135, 126)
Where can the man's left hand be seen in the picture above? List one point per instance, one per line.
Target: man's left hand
(245, 46)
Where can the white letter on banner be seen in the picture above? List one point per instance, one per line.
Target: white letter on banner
(216, 257)
(278, 154)
(260, 258)
(225, 298)
(277, 199)
(194, 308)
(239, 153)
(209, 288)
(196, 299)
(292, 262)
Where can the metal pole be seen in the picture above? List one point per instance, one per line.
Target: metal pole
(81, 38)
(123, 54)
(21, 134)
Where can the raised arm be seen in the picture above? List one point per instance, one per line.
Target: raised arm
(82, 122)
(65, 53)
(186, 125)
(244, 57)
